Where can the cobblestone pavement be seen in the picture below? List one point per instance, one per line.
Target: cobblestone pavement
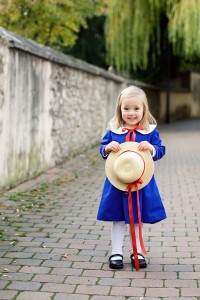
(52, 247)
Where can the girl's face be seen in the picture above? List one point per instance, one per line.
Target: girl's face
(132, 111)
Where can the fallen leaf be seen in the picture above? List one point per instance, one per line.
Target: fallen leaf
(4, 275)
(5, 270)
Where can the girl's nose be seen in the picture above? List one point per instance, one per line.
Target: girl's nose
(131, 112)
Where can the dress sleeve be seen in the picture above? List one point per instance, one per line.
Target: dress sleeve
(157, 143)
(105, 141)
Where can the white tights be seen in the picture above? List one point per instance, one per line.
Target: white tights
(117, 237)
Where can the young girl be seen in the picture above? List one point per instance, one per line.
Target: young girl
(133, 120)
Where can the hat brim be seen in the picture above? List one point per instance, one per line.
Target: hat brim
(148, 172)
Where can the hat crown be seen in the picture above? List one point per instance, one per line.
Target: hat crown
(141, 158)
(128, 167)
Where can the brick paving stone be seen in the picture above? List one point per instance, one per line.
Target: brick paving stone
(4, 261)
(7, 295)
(130, 274)
(56, 264)
(15, 255)
(180, 283)
(189, 275)
(85, 265)
(93, 290)
(61, 251)
(181, 298)
(29, 244)
(190, 261)
(4, 282)
(63, 296)
(35, 270)
(177, 254)
(162, 292)
(58, 287)
(67, 271)
(81, 280)
(178, 268)
(109, 298)
(28, 262)
(18, 276)
(24, 285)
(146, 283)
(155, 268)
(47, 256)
(197, 268)
(162, 275)
(114, 282)
(165, 261)
(190, 292)
(35, 295)
(49, 278)
(54, 245)
(128, 291)
(11, 268)
(98, 273)
(78, 257)
(92, 253)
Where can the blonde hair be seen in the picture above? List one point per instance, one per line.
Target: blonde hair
(132, 91)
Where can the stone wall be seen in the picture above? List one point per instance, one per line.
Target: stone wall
(52, 107)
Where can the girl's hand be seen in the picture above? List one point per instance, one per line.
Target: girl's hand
(145, 146)
(112, 146)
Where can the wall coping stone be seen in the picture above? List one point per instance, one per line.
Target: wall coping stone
(12, 40)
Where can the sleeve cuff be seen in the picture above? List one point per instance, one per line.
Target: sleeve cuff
(154, 151)
(104, 155)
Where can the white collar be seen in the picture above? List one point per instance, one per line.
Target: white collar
(149, 130)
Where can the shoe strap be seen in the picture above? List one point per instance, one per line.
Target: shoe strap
(115, 255)
(139, 254)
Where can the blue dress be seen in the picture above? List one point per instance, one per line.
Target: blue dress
(114, 202)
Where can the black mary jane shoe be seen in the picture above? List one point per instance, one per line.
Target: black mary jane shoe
(142, 261)
(116, 263)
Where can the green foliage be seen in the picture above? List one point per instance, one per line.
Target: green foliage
(134, 31)
(53, 22)
(184, 30)
(131, 26)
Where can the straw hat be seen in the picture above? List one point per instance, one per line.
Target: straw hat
(129, 165)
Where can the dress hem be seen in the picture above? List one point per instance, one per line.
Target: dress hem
(145, 222)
